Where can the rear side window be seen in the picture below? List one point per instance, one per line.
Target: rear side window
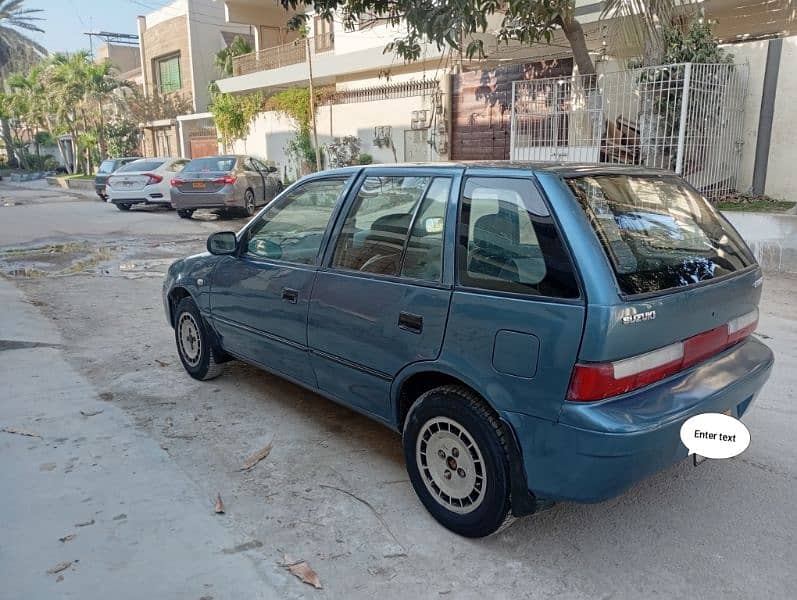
(658, 233)
(211, 163)
(106, 166)
(140, 165)
(508, 241)
(395, 227)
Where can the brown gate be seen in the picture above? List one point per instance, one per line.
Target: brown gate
(204, 146)
(481, 106)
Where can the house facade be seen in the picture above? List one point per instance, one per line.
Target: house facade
(178, 45)
(444, 106)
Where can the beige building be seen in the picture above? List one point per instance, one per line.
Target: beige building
(178, 46)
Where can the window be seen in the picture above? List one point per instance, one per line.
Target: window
(374, 238)
(177, 166)
(140, 165)
(658, 233)
(322, 31)
(293, 229)
(168, 74)
(106, 166)
(211, 164)
(423, 258)
(508, 241)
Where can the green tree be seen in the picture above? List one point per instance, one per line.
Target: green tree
(233, 115)
(17, 50)
(238, 47)
(453, 23)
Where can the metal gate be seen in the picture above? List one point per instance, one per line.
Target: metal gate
(481, 104)
(687, 118)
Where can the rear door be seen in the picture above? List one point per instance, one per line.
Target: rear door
(381, 301)
(255, 180)
(671, 266)
(271, 182)
(517, 313)
(259, 299)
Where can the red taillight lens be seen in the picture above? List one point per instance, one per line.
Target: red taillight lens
(178, 181)
(153, 178)
(229, 179)
(596, 381)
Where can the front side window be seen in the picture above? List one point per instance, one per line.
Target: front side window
(657, 232)
(293, 229)
(508, 241)
(376, 234)
(168, 72)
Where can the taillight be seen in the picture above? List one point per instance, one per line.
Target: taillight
(596, 381)
(178, 181)
(229, 179)
(153, 178)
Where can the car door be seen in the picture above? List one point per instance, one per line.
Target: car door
(271, 181)
(255, 180)
(381, 301)
(260, 297)
(517, 313)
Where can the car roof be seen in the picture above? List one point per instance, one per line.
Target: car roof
(561, 169)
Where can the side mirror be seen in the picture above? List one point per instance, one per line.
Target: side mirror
(222, 242)
(272, 169)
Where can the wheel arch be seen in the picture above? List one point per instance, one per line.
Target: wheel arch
(176, 295)
(420, 378)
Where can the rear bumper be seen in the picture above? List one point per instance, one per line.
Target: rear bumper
(223, 198)
(597, 450)
(140, 197)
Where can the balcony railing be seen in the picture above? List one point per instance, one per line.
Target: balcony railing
(275, 57)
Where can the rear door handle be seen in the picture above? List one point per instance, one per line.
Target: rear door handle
(290, 295)
(410, 322)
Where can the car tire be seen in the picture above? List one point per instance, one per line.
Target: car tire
(185, 213)
(124, 207)
(194, 346)
(249, 202)
(457, 461)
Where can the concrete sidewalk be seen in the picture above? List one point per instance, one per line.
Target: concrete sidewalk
(141, 528)
(771, 237)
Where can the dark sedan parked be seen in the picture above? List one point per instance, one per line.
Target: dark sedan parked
(231, 183)
(107, 167)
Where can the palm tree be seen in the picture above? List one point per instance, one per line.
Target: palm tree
(238, 47)
(16, 50)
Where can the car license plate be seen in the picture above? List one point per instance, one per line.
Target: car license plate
(696, 458)
(199, 184)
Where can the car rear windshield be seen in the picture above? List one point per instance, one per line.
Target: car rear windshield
(214, 163)
(140, 165)
(106, 166)
(658, 233)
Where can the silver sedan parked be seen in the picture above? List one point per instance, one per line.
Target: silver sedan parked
(231, 183)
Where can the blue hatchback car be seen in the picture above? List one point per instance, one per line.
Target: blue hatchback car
(535, 333)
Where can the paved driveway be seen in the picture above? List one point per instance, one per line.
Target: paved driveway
(334, 490)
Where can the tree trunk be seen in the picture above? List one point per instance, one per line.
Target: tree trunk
(578, 44)
(9, 142)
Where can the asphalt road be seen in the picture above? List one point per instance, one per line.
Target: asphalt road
(334, 491)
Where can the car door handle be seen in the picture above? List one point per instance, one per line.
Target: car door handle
(290, 295)
(410, 322)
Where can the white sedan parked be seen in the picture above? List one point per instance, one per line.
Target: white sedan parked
(143, 181)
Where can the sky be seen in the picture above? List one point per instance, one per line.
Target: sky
(66, 21)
